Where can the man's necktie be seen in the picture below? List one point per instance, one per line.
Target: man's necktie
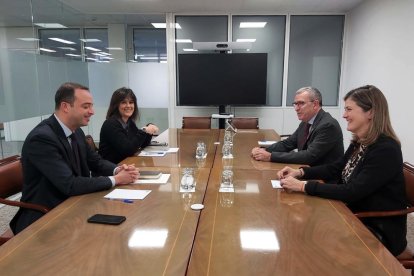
(75, 154)
(305, 135)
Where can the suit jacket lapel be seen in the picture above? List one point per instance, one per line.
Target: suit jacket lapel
(57, 129)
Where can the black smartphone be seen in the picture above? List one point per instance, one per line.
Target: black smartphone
(106, 219)
(149, 174)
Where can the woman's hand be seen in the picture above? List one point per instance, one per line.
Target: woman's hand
(292, 184)
(151, 129)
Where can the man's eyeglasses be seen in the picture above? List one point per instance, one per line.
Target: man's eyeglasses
(300, 103)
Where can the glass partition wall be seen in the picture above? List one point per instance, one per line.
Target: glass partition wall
(44, 43)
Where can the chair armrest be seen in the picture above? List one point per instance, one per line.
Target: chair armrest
(25, 205)
(407, 263)
(384, 213)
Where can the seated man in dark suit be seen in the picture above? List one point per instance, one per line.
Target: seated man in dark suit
(57, 162)
(318, 138)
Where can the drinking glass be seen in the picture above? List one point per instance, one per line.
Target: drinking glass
(187, 179)
(227, 178)
(201, 150)
(227, 150)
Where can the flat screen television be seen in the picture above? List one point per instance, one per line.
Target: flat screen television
(222, 79)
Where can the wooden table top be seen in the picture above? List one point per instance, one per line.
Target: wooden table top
(256, 230)
(155, 239)
(186, 140)
(243, 143)
(259, 230)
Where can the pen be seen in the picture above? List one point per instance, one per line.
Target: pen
(123, 200)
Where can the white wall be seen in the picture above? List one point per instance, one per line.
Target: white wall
(379, 50)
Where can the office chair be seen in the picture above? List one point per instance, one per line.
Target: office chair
(409, 187)
(11, 182)
(245, 123)
(197, 122)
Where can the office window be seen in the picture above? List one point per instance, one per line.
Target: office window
(268, 38)
(60, 43)
(191, 29)
(315, 55)
(95, 44)
(149, 45)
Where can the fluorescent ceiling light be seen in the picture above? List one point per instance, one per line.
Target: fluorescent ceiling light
(137, 56)
(190, 50)
(67, 48)
(133, 60)
(164, 25)
(28, 39)
(94, 59)
(163, 61)
(99, 54)
(183, 41)
(51, 25)
(93, 49)
(61, 40)
(114, 48)
(252, 24)
(47, 50)
(106, 54)
(246, 40)
(90, 40)
(106, 57)
(159, 25)
(149, 58)
(73, 55)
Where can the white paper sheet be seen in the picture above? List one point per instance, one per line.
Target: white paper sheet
(161, 180)
(276, 184)
(171, 150)
(127, 194)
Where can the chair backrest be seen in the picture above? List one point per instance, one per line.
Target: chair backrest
(9, 159)
(91, 142)
(11, 178)
(409, 181)
(245, 123)
(197, 122)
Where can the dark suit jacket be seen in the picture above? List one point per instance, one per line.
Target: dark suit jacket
(48, 175)
(323, 146)
(117, 143)
(376, 184)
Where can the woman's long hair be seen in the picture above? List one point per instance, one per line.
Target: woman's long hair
(369, 97)
(117, 97)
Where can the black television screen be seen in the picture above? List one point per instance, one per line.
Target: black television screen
(222, 79)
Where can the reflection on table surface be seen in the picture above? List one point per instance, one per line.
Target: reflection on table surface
(259, 230)
(155, 239)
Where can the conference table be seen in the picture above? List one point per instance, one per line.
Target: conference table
(255, 230)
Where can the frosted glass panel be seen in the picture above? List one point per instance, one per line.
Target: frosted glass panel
(315, 55)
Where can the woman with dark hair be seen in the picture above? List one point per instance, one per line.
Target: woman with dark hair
(371, 171)
(120, 137)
